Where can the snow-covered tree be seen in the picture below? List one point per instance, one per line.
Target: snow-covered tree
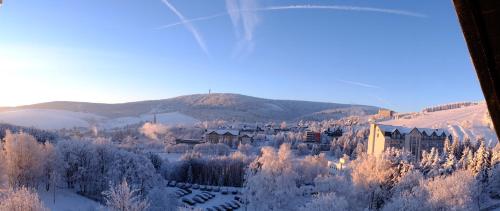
(49, 166)
(326, 202)
(371, 175)
(22, 199)
(246, 149)
(315, 149)
(482, 162)
(271, 181)
(430, 164)
(24, 160)
(458, 191)
(311, 167)
(494, 183)
(463, 163)
(450, 164)
(302, 149)
(122, 198)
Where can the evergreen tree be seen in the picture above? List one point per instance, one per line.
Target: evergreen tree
(482, 162)
(447, 148)
(450, 163)
(463, 163)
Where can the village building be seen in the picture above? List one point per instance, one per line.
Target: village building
(385, 113)
(230, 137)
(246, 139)
(189, 141)
(414, 140)
(312, 136)
(333, 133)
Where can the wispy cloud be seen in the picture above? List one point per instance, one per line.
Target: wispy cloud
(244, 17)
(356, 83)
(188, 25)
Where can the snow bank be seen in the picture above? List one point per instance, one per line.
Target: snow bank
(67, 200)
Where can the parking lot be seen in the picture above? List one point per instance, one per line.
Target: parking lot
(209, 198)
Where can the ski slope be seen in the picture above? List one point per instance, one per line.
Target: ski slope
(467, 122)
(52, 119)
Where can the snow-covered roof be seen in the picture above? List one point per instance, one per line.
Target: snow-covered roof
(405, 130)
(392, 128)
(222, 132)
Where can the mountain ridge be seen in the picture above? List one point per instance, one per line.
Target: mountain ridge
(227, 106)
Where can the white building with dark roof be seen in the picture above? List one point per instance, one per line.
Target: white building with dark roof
(414, 140)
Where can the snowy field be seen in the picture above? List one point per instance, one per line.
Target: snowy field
(67, 200)
(48, 119)
(472, 121)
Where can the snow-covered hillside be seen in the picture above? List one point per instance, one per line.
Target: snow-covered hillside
(185, 110)
(48, 119)
(466, 122)
(172, 118)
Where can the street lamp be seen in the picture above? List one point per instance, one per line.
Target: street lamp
(341, 161)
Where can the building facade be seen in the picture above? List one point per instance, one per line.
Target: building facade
(313, 136)
(385, 113)
(414, 140)
(230, 137)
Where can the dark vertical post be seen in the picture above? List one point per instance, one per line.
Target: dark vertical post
(480, 22)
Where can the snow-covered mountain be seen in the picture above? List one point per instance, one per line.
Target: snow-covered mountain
(184, 109)
(465, 122)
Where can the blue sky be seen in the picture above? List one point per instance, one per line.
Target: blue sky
(402, 55)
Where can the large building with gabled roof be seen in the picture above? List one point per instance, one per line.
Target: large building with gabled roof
(414, 140)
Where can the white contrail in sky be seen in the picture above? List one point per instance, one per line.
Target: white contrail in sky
(359, 84)
(188, 25)
(346, 8)
(292, 7)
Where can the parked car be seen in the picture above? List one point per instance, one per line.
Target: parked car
(204, 197)
(218, 208)
(231, 205)
(199, 200)
(224, 191)
(226, 207)
(235, 203)
(188, 201)
(196, 186)
(208, 193)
